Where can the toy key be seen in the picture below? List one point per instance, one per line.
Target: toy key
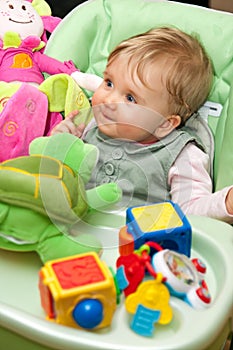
(131, 268)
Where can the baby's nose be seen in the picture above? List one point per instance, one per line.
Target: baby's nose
(112, 101)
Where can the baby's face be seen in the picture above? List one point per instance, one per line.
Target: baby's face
(125, 108)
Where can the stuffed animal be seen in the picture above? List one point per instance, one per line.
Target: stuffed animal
(21, 29)
(30, 106)
(43, 196)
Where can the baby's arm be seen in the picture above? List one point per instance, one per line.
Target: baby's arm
(68, 126)
(191, 186)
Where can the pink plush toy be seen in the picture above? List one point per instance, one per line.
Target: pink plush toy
(21, 29)
(30, 106)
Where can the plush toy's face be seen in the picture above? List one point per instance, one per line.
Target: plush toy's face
(20, 17)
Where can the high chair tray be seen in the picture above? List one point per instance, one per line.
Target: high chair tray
(23, 324)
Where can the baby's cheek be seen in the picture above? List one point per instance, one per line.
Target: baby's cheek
(97, 98)
(94, 99)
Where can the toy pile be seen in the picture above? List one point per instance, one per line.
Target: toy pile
(81, 291)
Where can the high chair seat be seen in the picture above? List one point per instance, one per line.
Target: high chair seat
(87, 35)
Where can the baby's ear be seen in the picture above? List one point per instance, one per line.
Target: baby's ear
(171, 123)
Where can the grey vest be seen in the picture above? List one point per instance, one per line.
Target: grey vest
(141, 171)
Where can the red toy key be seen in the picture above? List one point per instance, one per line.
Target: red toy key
(132, 270)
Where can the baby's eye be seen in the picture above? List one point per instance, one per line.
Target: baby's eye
(130, 98)
(109, 83)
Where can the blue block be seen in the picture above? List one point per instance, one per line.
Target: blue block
(163, 223)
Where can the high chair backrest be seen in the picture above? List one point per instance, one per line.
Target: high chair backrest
(89, 32)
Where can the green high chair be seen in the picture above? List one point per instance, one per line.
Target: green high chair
(87, 35)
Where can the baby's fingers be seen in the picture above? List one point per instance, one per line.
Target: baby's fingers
(72, 115)
(79, 130)
(66, 126)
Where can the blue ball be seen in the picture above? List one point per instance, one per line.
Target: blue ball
(88, 313)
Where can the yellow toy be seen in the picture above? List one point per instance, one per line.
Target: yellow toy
(78, 291)
(149, 304)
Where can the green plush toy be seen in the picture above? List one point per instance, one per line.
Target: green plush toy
(43, 195)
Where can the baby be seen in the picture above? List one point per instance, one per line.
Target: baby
(147, 129)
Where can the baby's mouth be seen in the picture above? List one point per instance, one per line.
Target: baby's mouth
(107, 118)
(106, 115)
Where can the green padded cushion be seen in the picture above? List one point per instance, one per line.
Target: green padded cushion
(89, 32)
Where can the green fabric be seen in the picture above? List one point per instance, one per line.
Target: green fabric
(44, 185)
(52, 182)
(105, 193)
(99, 25)
(42, 197)
(29, 231)
(65, 95)
(26, 230)
(62, 245)
(42, 7)
(6, 91)
(70, 150)
(225, 170)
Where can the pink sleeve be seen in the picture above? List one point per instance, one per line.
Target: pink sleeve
(52, 66)
(191, 186)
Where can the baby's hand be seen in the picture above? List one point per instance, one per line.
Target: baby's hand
(68, 126)
(229, 201)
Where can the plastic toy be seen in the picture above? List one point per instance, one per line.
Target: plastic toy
(42, 197)
(78, 291)
(184, 277)
(30, 105)
(149, 305)
(163, 223)
(131, 268)
(148, 301)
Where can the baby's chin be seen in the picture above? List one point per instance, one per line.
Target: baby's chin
(113, 131)
(109, 130)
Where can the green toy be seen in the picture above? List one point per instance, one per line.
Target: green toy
(43, 195)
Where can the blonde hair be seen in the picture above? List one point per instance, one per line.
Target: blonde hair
(190, 74)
